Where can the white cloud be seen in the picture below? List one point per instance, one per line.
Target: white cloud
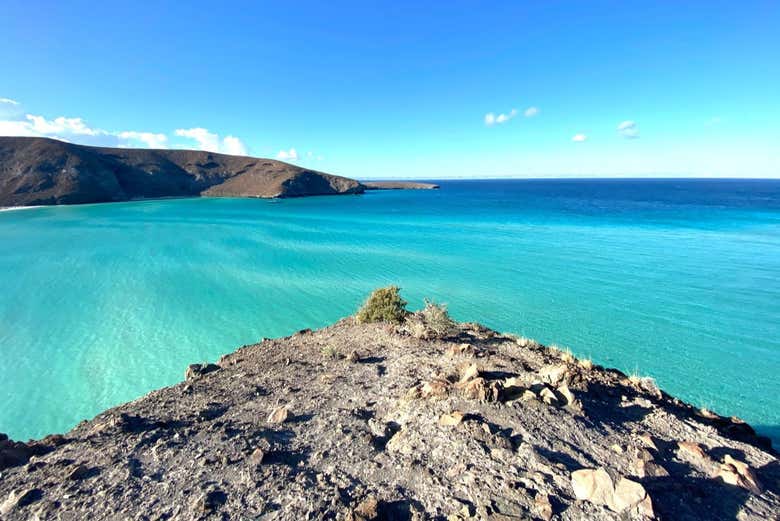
(234, 146)
(531, 112)
(288, 155)
(211, 142)
(628, 129)
(491, 119)
(16, 128)
(579, 138)
(206, 140)
(149, 139)
(62, 125)
(78, 131)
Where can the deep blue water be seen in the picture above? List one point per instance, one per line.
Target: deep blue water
(675, 279)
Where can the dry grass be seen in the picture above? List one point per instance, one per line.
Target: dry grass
(586, 363)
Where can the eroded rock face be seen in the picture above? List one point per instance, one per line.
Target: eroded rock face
(412, 429)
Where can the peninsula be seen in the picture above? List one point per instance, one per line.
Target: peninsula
(397, 416)
(41, 171)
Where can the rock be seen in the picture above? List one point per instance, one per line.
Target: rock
(279, 415)
(257, 456)
(468, 372)
(549, 397)
(13, 453)
(78, 472)
(693, 453)
(210, 501)
(648, 441)
(593, 485)
(436, 388)
(196, 370)
(542, 506)
(480, 389)
(568, 396)
(553, 374)
(20, 499)
(460, 349)
(528, 395)
(450, 419)
(630, 495)
(644, 469)
(735, 472)
(367, 510)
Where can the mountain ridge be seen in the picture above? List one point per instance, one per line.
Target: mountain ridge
(44, 171)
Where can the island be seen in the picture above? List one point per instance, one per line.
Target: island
(41, 171)
(397, 415)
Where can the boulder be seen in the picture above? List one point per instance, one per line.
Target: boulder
(553, 374)
(451, 419)
(19, 499)
(436, 388)
(279, 415)
(542, 506)
(593, 485)
(735, 472)
(568, 397)
(549, 397)
(694, 454)
(468, 372)
(257, 456)
(13, 453)
(630, 495)
(596, 486)
(78, 472)
(196, 370)
(480, 389)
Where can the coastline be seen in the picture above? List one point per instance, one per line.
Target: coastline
(260, 422)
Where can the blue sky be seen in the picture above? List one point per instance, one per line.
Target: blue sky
(398, 89)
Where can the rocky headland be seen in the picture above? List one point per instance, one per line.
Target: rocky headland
(377, 418)
(399, 185)
(41, 171)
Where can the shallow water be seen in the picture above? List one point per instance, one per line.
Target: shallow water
(676, 279)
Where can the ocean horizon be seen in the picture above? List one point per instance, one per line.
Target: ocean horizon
(671, 278)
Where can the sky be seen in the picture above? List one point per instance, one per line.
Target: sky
(399, 89)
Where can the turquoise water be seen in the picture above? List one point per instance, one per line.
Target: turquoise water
(678, 280)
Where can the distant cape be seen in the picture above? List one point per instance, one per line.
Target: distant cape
(42, 171)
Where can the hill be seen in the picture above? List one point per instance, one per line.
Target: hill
(42, 171)
(378, 421)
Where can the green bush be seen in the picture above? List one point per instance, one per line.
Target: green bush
(437, 319)
(383, 305)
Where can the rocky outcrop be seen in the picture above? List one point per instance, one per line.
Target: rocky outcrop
(366, 422)
(41, 171)
(399, 185)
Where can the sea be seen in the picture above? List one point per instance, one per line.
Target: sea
(674, 279)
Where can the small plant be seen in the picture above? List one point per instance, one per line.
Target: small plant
(437, 319)
(383, 305)
(586, 363)
(330, 351)
(526, 342)
(567, 356)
